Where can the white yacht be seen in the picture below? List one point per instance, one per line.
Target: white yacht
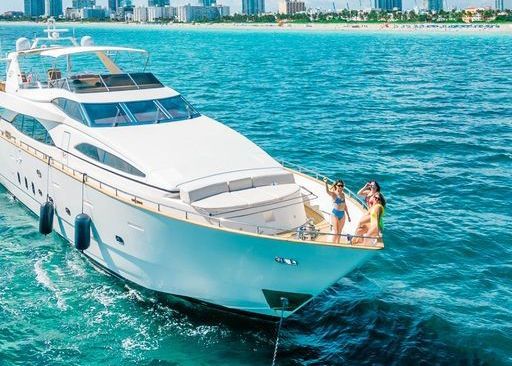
(154, 192)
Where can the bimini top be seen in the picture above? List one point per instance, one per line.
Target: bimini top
(65, 51)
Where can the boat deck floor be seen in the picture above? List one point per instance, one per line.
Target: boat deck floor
(324, 227)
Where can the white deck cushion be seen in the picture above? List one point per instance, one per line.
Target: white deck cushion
(273, 179)
(233, 182)
(240, 184)
(195, 194)
(247, 198)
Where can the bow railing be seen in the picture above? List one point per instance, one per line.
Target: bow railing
(319, 176)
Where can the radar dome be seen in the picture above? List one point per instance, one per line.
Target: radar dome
(86, 41)
(22, 44)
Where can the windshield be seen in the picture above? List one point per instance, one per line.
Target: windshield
(139, 112)
(106, 115)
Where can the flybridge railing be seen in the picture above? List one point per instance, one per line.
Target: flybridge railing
(319, 176)
(305, 232)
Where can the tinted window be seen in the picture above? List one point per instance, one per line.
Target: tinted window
(8, 115)
(28, 126)
(178, 108)
(146, 111)
(18, 122)
(108, 159)
(146, 80)
(39, 133)
(106, 115)
(118, 81)
(31, 127)
(71, 108)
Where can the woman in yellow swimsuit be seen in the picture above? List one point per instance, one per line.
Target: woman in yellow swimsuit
(376, 213)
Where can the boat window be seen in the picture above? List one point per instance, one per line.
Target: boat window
(178, 108)
(146, 111)
(107, 158)
(8, 115)
(146, 80)
(31, 127)
(118, 81)
(28, 126)
(17, 122)
(106, 114)
(71, 108)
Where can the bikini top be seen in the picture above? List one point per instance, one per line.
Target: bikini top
(338, 201)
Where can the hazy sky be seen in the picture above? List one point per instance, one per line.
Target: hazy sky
(272, 4)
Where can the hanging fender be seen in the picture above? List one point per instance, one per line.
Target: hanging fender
(82, 232)
(46, 218)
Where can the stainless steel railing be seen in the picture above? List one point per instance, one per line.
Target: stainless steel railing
(319, 176)
(176, 212)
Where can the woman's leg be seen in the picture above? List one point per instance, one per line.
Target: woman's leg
(341, 225)
(365, 220)
(335, 225)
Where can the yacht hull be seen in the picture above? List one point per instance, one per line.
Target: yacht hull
(227, 268)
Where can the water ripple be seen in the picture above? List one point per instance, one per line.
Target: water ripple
(429, 116)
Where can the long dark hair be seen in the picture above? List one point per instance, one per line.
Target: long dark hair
(377, 185)
(338, 181)
(381, 197)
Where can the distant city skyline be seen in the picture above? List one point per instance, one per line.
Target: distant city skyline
(272, 5)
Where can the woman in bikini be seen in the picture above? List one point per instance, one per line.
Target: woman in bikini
(339, 207)
(376, 214)
(369, 191)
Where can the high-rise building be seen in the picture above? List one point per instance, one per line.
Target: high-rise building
(53, 8)
(159, 2)
(436, 5)
(207, 2)
(291, 6)
(113, 5)
(191, 13)
(253, 7)
(140, 14)
(80, 4)
(500, 4)
(34, 8)
(387, 5)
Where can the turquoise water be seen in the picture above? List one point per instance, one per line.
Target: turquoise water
(428, 116)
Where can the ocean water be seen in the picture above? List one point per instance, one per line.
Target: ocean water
(427, 115)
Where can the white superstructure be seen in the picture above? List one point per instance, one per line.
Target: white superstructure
(178, 203)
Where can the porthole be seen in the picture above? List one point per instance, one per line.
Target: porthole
(68, 211)
(33, 188)
(26, 183)
(19, 178)
(40, 192)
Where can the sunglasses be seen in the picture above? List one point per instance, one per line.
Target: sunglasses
(339, 186)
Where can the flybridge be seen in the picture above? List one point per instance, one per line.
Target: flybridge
(48, 63)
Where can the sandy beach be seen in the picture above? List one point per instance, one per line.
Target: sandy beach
(321, 27)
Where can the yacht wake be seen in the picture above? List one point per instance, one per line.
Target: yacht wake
(44, 279)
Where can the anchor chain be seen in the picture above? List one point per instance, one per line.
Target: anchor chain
(284, 304)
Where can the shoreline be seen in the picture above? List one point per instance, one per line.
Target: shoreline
(411, 28)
